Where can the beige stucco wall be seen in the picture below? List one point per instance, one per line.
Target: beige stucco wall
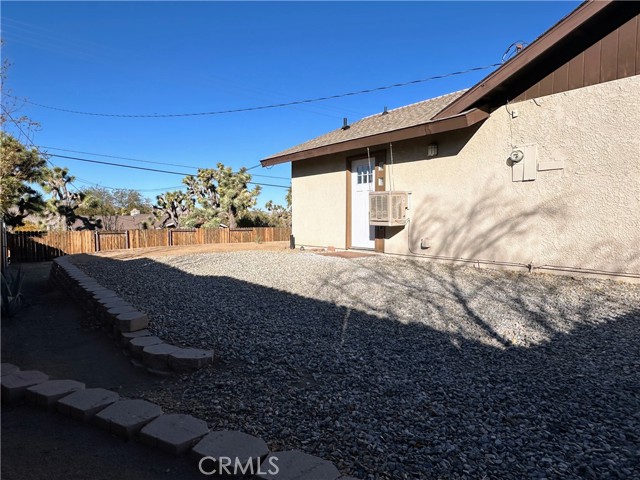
(319, 192)
(586, 215)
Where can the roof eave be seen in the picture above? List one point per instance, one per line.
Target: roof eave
(534, 52)
(454, 122)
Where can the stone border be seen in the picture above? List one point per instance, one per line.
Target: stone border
(145, 422)
(125, 323)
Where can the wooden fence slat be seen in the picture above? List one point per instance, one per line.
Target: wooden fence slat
(39, 246)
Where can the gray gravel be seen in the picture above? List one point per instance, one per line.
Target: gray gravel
(395, 368)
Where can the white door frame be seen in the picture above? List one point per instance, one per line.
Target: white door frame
(362, 181)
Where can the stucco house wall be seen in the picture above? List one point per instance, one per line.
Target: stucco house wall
(319, 196)
(465, 205)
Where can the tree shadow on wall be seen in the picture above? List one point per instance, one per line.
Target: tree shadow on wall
(424, 382)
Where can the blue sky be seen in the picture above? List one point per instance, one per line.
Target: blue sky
(182, 57)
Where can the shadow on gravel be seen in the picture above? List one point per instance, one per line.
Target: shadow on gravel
(396, 399)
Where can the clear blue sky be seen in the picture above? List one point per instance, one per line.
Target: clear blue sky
(178, 57)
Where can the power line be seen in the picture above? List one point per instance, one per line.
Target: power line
(265, 107)
(148, 169)
(152, 162)
(13, 120)
(121, 158)
(94, 184)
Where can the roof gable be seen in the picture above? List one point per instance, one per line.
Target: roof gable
(586, 25)
(582, 28)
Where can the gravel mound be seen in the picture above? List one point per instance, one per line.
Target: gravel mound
(396, 368)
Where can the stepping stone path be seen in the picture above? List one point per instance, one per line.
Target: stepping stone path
(174, 433)
(126, 417)
(296, 465)
(48, 393)
(14, 385)
(84, 404)
(234, 445)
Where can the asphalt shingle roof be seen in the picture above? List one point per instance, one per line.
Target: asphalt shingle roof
(396, 119)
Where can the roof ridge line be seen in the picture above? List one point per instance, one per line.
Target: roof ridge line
(412, 104)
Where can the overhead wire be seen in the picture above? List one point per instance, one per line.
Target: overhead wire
(151, 162)
(43, 155)
(98, 185)
(170, 172)
(46, 155)
(265, 107)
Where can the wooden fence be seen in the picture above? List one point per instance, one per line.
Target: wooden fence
(40, 246)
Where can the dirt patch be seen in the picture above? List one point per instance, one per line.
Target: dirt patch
(52, 335)
(191, 249)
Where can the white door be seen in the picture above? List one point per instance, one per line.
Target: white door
(362, 234)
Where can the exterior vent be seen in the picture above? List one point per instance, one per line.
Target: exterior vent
(388, 209)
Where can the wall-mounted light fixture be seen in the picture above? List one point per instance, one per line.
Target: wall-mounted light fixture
(432, 150)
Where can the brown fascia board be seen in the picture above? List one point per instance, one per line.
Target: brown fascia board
(455, 122)
(539, 50)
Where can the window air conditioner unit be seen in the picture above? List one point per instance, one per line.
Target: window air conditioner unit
(388, 209)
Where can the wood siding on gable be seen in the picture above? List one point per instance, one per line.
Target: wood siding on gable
(614, 57)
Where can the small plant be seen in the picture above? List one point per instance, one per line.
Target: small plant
(258, 239)
(12, 298)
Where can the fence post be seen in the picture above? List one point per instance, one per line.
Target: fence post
(97, 235)
(126, 239)
(170, 237)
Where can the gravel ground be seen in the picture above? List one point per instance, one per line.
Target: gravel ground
(394, 368)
